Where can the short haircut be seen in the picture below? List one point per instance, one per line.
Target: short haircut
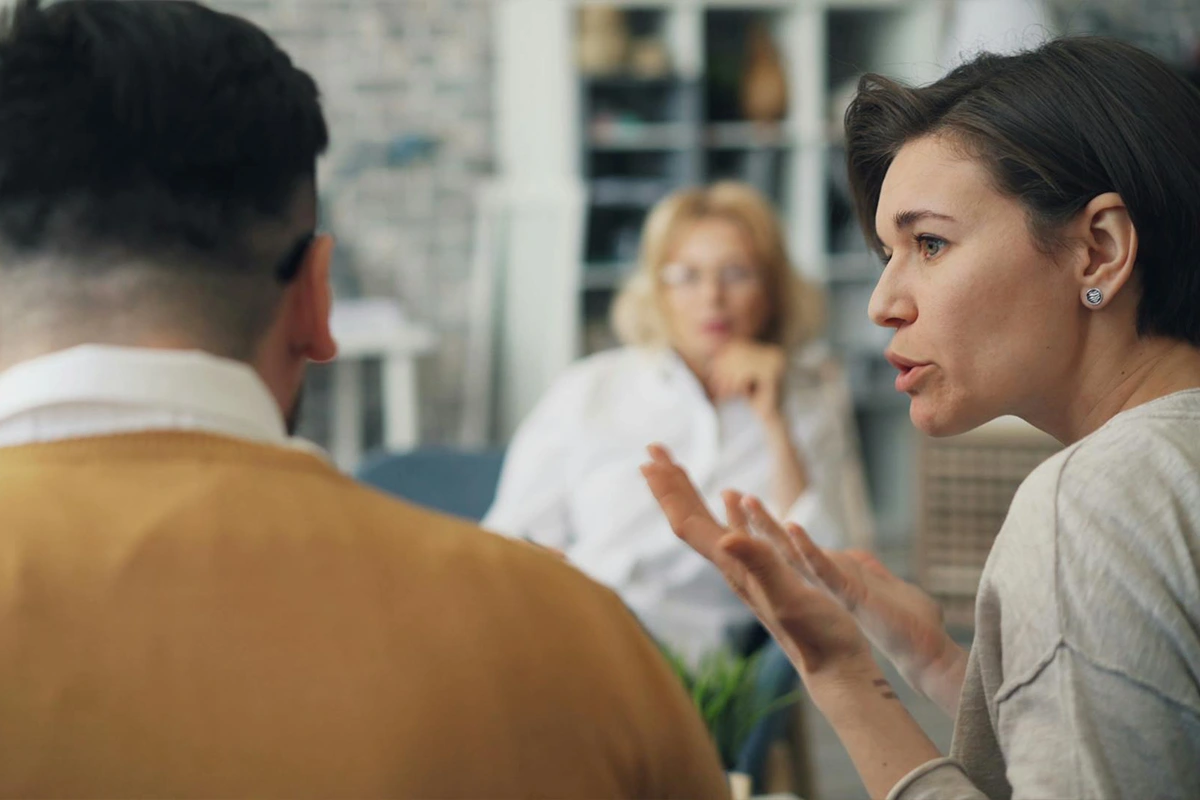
(162, 141)
(1056, 127)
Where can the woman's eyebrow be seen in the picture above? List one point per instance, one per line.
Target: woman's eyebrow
(904, 220)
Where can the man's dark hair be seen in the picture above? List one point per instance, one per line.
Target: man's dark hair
(1056, 127)
(160, 141)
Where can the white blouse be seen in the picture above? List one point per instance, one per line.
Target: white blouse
(571, 480)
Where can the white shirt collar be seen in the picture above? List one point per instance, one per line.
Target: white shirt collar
(95, 390)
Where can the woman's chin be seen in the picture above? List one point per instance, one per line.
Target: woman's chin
(929, 417)
(714, 340)
(942, 419)
(704, 350)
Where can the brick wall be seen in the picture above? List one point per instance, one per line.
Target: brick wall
(389, 69)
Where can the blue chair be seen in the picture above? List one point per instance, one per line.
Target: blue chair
(458, 482)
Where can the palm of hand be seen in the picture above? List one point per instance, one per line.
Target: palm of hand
(814, 629)
(899, 618)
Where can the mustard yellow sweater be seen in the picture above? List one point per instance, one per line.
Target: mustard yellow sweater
(185, 615)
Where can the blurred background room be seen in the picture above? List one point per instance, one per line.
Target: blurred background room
(492, 164)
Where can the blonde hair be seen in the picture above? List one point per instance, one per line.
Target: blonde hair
(797, 306)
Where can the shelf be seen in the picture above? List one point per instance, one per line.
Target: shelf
(636, 193)
(861, 5)
(732, 5)
(555, 124)
(860, 267)
(746, 5)
(655, 136)
(605, 277)
(747, 135)
(626, 82)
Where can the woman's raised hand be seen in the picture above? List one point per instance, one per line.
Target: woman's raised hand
(819, 635)
(817, 603)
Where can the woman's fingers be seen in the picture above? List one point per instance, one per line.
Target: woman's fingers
(734, 515)
(659, 454)
(826, 571)
(869, 562)
(683, 506)
(765, 524)
(772, 590)
(802, 553)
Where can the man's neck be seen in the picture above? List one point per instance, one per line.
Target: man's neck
(17, 349)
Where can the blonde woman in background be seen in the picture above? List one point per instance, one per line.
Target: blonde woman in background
(719, 364)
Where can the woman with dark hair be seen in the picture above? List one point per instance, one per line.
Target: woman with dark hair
(1039, 220)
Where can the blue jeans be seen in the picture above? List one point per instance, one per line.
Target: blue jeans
(776, 678)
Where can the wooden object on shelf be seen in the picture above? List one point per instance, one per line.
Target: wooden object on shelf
(649, 58)
(558, 125)
(764, 84)
(603, 40)
(967, 483)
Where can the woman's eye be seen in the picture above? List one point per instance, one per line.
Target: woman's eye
(930, 246)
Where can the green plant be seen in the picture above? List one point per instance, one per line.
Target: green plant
(724, 688)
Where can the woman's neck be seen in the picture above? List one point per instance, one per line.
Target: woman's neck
(1154, 368)
(699, 367)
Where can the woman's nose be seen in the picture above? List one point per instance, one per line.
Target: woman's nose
(712, 290)
(891, 304)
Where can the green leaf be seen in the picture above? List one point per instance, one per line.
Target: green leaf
(724, 689)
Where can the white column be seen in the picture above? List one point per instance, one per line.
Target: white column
(346, 436)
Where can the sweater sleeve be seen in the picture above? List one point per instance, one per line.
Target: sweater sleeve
(1086, 645)
(940, 779)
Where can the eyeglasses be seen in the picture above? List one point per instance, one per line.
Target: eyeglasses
(290, 265)
(677, 275)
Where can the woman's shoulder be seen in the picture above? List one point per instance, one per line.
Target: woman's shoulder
(606, 365)
(601, 372)
(1114, 524)
(1122, 502)
(1149, 449)
(1101, 551)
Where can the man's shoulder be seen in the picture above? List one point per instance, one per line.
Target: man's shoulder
(487, 567)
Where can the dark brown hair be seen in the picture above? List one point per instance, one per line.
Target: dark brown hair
(1055, 127)
(165, 134)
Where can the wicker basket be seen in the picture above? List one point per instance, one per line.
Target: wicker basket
(966, 485)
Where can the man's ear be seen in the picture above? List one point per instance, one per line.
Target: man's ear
(312, 298)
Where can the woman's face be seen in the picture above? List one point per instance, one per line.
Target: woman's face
(985, 323)
(712, 290)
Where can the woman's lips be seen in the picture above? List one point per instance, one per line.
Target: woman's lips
(909, 378)
(911, 372)
(716, 327)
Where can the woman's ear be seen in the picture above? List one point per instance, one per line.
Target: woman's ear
(1109, 246)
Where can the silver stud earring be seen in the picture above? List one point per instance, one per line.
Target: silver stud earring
(1094, 297)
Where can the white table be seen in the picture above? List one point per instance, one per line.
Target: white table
(375, 328)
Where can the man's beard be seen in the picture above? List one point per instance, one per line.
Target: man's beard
(292, 420)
